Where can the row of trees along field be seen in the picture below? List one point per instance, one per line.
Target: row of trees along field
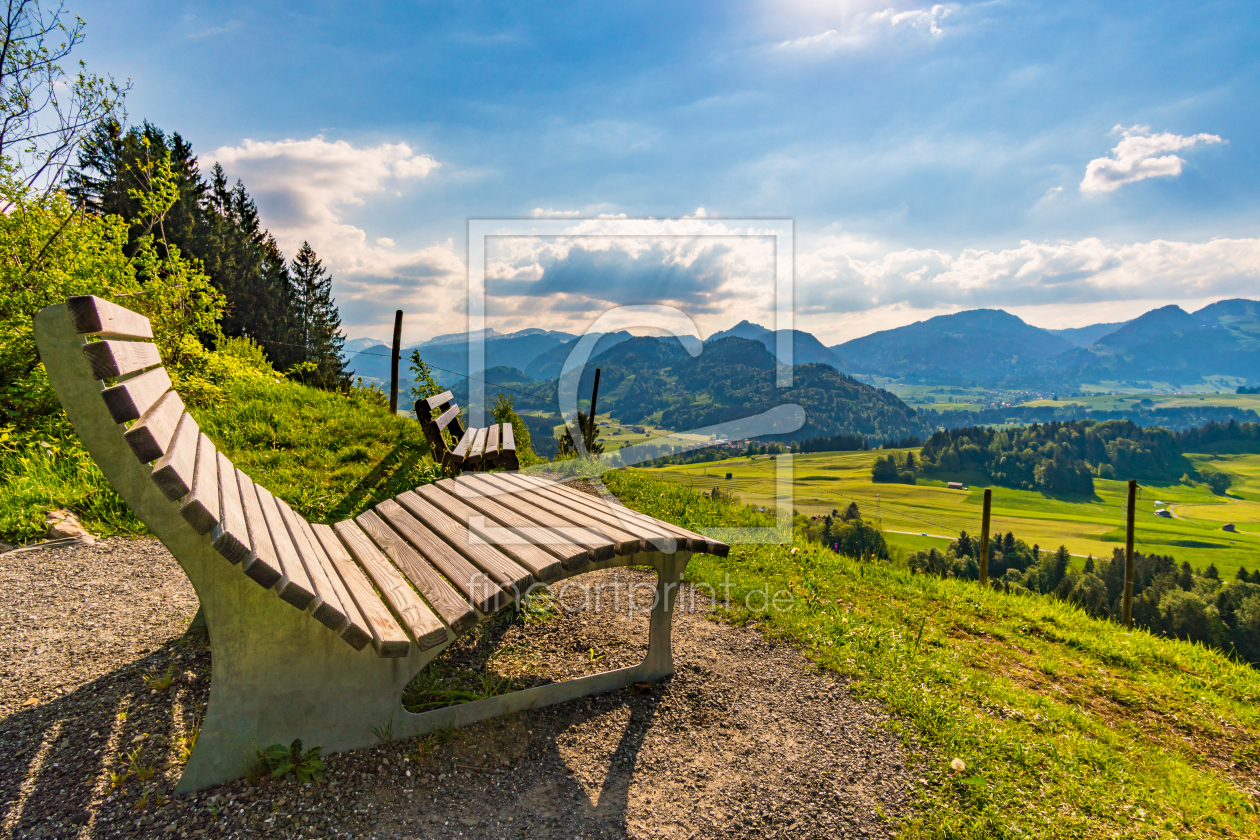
(287, 306)
(1065, 457)
(1172, 600)
(1169, 599)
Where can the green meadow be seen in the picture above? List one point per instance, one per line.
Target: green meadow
(1119, 402)
(929, 513)
(1066, 726)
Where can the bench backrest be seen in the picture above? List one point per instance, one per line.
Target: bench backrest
(274, 545)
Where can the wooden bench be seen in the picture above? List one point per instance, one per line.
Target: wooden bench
(317, 629)
(493, 447)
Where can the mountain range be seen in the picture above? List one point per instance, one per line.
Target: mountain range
(655, 379)
(1165, 348)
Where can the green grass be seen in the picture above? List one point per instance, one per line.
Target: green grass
(1069, 726)
(328, 455)
(1086, 525)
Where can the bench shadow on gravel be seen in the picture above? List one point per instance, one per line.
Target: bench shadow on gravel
(57, 756)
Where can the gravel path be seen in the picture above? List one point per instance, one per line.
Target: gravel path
(98, 676)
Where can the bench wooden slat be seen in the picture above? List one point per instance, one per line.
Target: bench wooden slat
(201, 506)
(150, 436)
(444, 419)
(624, 542)
(644, 529)
(111, 359)
(543, 566)
(439, 400)
(262, 565)
(501, 568)
(457, 613)
(416, 616)
(460, 452)
(294, 586)
(570, 554)
(490, 457)
(480, 590)
(231, 536)
(476, 450)
(507, 449)
(688, 539)
(387, 638)
(600, 546)
(355, 630)
(94, 316)
(132, 398)
(326, 607)
(173, 472)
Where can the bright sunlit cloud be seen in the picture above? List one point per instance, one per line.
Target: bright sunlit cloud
(1140, 155)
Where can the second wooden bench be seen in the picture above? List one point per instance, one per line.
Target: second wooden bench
(493, 447)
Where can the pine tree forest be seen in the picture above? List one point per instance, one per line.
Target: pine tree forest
(285, 306)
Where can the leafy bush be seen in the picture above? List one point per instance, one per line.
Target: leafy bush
(503, 409)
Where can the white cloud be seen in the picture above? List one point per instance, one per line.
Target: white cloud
(860, 27)
(540, 213)
(1138, 156)
(304, 189)
(845, 275)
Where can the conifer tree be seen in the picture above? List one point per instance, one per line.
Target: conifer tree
(316, 321)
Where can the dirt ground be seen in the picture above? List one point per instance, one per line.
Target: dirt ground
(98, 676)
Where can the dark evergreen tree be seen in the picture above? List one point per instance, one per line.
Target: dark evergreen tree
(1059, 570)
(316, 321)
(1185, 579)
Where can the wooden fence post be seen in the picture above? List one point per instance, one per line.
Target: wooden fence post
(1128, 556)
(590, 421)
(984, 538)
(393, 364)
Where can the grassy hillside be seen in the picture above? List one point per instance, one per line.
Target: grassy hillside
(1067, 726)
(327, 454)
(827, 481)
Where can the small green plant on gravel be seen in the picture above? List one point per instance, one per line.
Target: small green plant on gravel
(438, 686)
(137, 766)
(279, 761)
(159, 682)
(539, 606)
(384, 734)
(142, 802)
(187, 741)
(117, 778)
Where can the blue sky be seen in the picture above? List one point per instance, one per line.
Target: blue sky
(1070, 162)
